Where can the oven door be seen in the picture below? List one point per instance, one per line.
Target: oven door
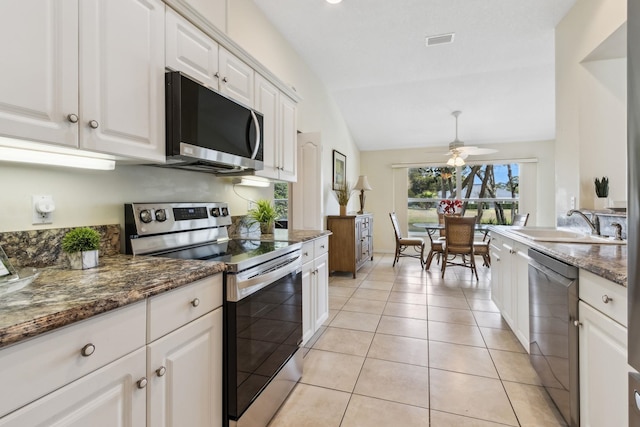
(263, 332)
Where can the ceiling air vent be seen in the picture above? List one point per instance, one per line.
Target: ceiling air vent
(440, 39)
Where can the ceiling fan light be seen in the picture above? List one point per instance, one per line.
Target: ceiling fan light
(459, 161)
(333, 1)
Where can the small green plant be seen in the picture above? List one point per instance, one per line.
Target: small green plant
(602, 186)
(343, 193)
(81, 239)
(264, 212)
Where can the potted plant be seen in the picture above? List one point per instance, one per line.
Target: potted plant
(602, 192)
(264, 213)
(81, 245)
(343, 194)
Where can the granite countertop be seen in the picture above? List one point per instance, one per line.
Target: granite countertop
(604, 260)
(60, 296)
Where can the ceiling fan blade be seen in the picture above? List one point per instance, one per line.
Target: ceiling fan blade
(476, 151)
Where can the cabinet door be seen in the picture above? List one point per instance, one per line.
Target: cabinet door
(39, 85)
(267, 98)
(109, 397)
(237, 78)
(185, 375)
(322, 290)
(308, 297)
(520, 273)
(603, 369)
(509, 287)
(122, 77)
(189, 50)
(496, 271)
(287, 138)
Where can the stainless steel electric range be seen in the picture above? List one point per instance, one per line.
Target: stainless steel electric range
(262, 299)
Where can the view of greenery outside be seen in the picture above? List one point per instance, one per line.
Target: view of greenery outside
(490, 192)
(281, 203)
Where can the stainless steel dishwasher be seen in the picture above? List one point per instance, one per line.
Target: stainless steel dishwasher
(553, 348)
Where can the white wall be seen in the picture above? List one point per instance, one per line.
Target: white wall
(317, 112)
(390, 185)
(590, 105)
(91, 198)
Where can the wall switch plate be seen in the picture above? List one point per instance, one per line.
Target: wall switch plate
(42, 209)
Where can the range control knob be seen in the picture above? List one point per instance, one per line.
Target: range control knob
(215, 212)
(145, 216)
(161, 215)
(225, 212)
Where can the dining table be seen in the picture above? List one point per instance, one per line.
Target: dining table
(432, 227)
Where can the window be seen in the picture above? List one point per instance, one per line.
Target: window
(490, 191)
(281, 203)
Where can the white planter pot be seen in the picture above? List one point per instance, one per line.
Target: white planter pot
(600, 203)
(83, 260)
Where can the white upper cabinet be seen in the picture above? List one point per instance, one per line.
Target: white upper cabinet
(189, 50)
(122, 77)
(192, 52)
(236, 78)
(280, 142)
(39, 85)
(85, 74)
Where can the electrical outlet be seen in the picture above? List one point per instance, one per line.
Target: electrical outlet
(250, 205)
(42, 209)
(572, 202)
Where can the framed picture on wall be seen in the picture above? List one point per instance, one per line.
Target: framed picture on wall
(339, 169)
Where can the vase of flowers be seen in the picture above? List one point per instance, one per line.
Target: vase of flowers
(449, 206)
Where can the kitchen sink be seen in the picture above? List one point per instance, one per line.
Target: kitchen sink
(565, 236)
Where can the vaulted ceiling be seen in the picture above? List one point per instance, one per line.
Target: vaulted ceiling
(395, 92)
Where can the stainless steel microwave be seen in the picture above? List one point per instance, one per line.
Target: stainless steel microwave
(208, 132)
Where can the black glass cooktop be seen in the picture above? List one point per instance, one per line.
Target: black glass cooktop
(234, 251)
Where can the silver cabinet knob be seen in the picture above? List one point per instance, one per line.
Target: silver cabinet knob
(322, 246)
(224, 79)
(577, 323)
(72, 118)
(195, 302)
(88, 350)
(161, 371)
(217, 75)
(93, 124)
(606, 298)
(142, 382)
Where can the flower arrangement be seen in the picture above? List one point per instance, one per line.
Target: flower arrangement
(343, 193)
(449, 206)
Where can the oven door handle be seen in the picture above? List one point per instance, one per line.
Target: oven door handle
(240, 288)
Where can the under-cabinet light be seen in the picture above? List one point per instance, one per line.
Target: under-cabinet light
(251, 182)
(14, 154)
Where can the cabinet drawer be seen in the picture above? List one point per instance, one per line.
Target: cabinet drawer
(604, 295)
(307, 251)
(169, 311)
(320, 246)
(40, 365)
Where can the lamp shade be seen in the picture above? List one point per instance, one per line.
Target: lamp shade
(362, 184)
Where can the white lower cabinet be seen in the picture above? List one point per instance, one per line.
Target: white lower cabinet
(98, 372)
(185, 375)
(603, 352)
(315, 286)
(112, 396)
(510, 284)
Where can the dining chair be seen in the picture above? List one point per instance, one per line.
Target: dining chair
(460, 232)
(482, 249)
(436, 249)
(443, 231)
(520, 220)
(402, 243)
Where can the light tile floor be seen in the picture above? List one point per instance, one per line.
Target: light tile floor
(403, 347)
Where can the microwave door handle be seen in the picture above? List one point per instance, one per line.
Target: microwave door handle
(255, 121)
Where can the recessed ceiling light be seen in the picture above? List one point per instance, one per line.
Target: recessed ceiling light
(439, 39)
(334, 1)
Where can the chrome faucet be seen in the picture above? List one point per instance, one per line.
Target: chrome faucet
(594, 222)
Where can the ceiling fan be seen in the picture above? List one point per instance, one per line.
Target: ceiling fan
(458, 151)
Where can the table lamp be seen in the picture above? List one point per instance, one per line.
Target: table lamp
(362, 185)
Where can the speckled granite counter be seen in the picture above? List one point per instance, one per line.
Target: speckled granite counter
(60, 296)
(608, 261)
(295, 235)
